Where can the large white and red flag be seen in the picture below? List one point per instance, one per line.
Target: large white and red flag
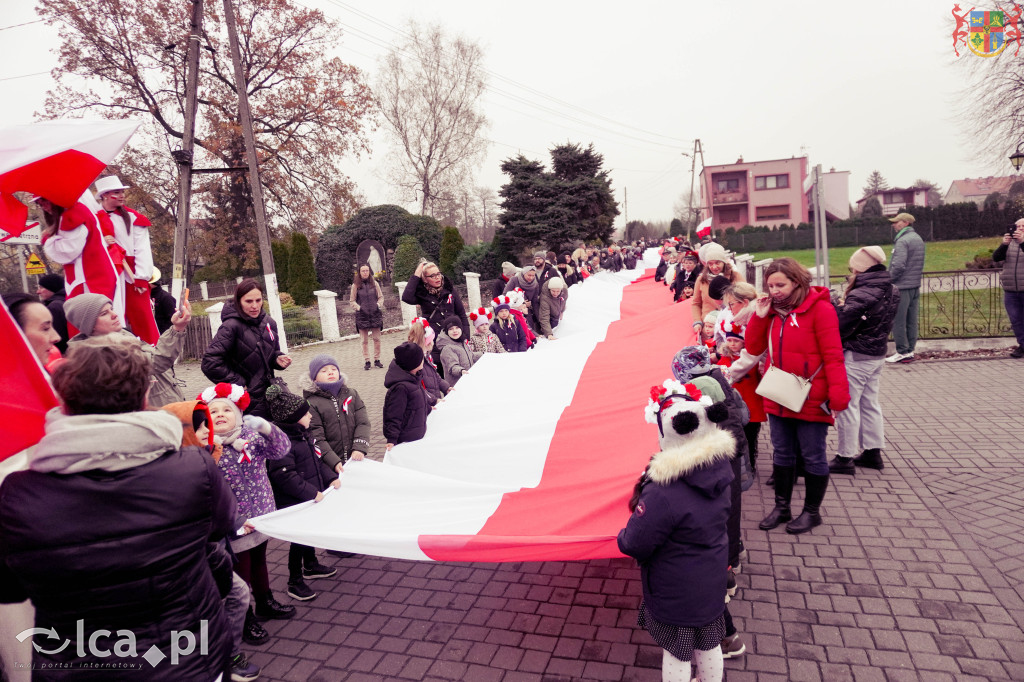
(533, 457)
(704, 229)
(54, 159)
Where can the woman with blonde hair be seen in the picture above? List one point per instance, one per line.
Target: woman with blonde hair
(367, 300)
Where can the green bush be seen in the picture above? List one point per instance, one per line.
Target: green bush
(479, 258)
(281, 255)
(302, 276)
(407, 257)
(451, 246)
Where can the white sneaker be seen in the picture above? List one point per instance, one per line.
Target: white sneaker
(896, 357)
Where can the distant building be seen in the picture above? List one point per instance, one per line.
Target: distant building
(755, 193)
(977, 189)
(894, 200)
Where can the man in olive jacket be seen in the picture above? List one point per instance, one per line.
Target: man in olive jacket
(907, 265)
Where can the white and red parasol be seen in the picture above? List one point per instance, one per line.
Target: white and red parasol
(55, 159)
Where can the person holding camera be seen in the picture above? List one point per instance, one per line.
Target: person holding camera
(1009, 253)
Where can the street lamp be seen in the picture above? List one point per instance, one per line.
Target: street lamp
(1017, 158)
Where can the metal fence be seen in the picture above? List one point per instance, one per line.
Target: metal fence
(959, 304)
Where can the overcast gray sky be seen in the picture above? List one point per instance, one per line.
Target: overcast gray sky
(856, 86)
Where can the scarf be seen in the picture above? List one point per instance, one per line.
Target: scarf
(334, 388)
(790, 303)
(103, 442)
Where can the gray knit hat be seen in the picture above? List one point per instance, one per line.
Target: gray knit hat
(508, 269)
(82, 311)
(319, 362)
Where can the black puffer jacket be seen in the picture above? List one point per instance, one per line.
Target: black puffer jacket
(340, 424)
(659, 272)
(867, 315)
(301, 474)
(368, 296)
(433, 384)
(122, 550)
(244, 352)
(437, 308)
(405, 406)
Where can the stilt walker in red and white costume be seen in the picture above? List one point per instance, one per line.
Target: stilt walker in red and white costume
(126, 234)
(72, 237)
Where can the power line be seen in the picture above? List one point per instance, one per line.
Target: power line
(27, 75)
(27, 23)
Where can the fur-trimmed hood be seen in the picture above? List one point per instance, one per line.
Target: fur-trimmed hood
(695, 461)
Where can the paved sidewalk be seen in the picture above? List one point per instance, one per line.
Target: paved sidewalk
(918, 573)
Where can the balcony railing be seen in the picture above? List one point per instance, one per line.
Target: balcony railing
(730, 197)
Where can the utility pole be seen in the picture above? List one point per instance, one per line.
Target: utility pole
(184, 155)
(259, 209)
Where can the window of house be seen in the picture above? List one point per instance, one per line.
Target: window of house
(728, 185)
(780, 212)
(729, 215)
(771, 181)
(897, 198)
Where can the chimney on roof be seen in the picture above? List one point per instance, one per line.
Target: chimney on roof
(739, 160)
(832, 169)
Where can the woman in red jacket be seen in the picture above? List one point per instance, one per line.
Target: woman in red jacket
(801, 325)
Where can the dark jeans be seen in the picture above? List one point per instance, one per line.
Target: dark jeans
(299, 556)
(795, 436)
(904, 330)
(252, 568)
(1014, 302)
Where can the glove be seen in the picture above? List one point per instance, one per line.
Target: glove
(258, 424)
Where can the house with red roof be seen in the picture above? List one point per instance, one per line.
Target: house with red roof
(976, 189)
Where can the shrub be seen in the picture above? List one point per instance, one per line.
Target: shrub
(982, 261)
(281, 255)
(302, 276)
(407, 257)
(479, 258)
(451, 246)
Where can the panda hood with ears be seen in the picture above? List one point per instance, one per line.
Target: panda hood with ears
(692, 446)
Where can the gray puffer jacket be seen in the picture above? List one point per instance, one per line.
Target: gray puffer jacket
(456, 357)
(907, 259)
(1012, 277)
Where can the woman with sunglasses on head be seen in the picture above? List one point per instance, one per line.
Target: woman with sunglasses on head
(437, 298)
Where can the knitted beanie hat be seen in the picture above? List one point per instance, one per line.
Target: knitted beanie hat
(866, 257)
(717, 287)
(285, 407)
(319, 362)
(508, 269)
(453, 321)
(408, 356)
(54, 283)
(713, 251)
(480, 317)
(82, 311)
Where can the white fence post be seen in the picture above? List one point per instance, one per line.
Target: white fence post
(408, 311)
(204, 291)
(238, 280)
(759, 273)
(214, 313)
(473, 289)
(326, 301)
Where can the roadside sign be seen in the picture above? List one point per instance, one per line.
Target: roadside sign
(31, 236)
(34, 266)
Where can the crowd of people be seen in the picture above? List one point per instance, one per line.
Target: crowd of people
(187, 477)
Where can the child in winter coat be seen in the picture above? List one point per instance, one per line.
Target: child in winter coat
(422, 335)
(247, 446)
(299, 476)
(483, 339)
(677, 531)
(507, 328)
(729, 352)
(517, 303)
(707, 334)
(456, 355)
(340, 423)
(405, 405)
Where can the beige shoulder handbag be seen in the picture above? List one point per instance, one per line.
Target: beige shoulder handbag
(786, 389)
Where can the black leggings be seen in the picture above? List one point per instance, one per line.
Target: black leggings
(297, 556)
(752, 429)
(252, 568)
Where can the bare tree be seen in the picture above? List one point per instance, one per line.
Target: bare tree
(429, 92)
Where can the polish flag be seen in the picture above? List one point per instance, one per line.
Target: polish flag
(704, 229)
(54, 159)
(532, 458)
(25, 392)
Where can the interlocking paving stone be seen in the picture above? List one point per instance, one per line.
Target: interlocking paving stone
(917, 574)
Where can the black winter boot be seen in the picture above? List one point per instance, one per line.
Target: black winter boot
(870, 459)
(269, 608)
(810, 517)
(842, 465)
(783, 492)
(252, 631)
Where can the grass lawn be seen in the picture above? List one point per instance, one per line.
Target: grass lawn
(938, 256)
